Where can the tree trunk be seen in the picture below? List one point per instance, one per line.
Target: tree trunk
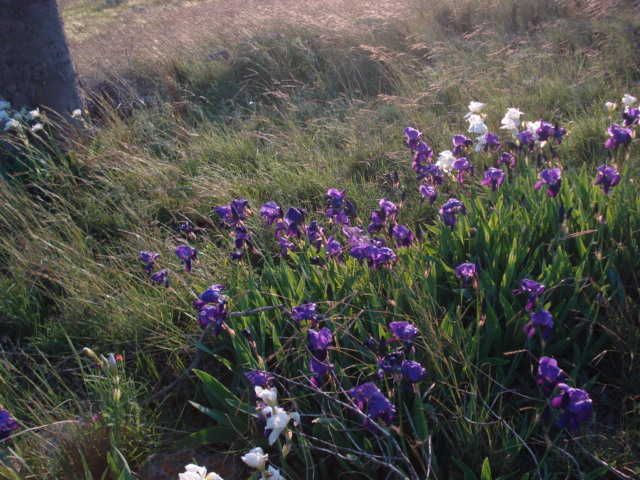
(36, 69)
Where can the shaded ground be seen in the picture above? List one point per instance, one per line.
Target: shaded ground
(114, 38)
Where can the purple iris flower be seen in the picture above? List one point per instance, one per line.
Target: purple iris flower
(186, 254)
(373, 251)
(527, 139)
(427, 191)
(226, 216)
(380, 256)
(389, 208)
(213, 314)
(542, 319)
(335, 195)
(544, 131)
(631, 116)
(210, 295)
(315, 234)
(354, 234)
(390, 364)
(460, 145)
(413, 137)
(467, 272)
(406, 331)
(376, 242)
(148, 258)
(233, 213)
(491, 142)
(260, 378)
(7, 424)
(413, 371)
(462, 165)
(186, 227)
(549, 375)
(370, 400)
(239, 205)
(319, 367)
(432, 174)
(334, 201)
(577, 406)
(236, 256)
(350, 210)
(360, 245)
(508, 159)
(321, 371)
(161, 278)
(242, 236)
(371, 344)
(333, 248)
(319, 342)
(558, 132)
(294, 220)
(271, 212)
(618, 136)
(339, 208)
(304, 312)
(552, 179)
(607, 177)
(494, 177)
(534, 289)
(403, 235)
(378, 218)
(286, 246)
(449, 210)
(423, 154)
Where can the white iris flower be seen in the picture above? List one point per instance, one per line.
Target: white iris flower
(256, 458)
(194, 472)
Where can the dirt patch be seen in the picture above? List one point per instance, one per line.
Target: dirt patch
(111, 40)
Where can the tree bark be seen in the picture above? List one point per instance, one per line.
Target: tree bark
(36, 69)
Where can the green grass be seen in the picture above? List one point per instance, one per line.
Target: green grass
(285, 120)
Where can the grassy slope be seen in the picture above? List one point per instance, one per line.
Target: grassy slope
(289, 115)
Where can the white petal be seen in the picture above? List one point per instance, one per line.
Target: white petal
(628, 100)
(274, 473)
(295, 416)
(273, 436)
(213, 476)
